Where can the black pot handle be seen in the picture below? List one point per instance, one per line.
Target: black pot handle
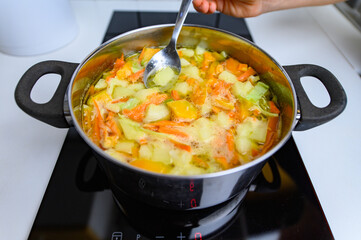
(51, 112)
(97, 181)
(261, 184)
(312, 116)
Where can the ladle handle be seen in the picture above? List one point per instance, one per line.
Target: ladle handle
(182, 14)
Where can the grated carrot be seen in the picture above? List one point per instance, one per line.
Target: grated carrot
(181, 145)
(173, 131)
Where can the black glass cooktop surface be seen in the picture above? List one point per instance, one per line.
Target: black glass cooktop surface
(75, 207)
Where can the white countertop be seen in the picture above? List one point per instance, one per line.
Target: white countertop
(331, 152)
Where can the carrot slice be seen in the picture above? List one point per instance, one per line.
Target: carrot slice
(222, 161)
(243, 77)
(124, 99)
(173, 131)
(119, 63)
(175, 95)
(273, 107)
(141, 55)
(166, 123)
(137, 113)
(181, 145)
(110, 122)
(272, 128)
(137, 75)
(98, 125)
(230, 140)
(232, 64)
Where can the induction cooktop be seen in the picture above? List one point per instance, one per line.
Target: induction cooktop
(77, 206)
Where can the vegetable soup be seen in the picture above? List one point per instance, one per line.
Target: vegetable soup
(216, 115)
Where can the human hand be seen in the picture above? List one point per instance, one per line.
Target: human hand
(252, 8)
(236, 8)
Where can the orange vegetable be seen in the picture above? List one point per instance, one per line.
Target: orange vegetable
(207, 59)
(181, 145)
(149, 165)
(231, 65)
(117, 65)
(147, 54)
(135, 76)
(137, 113)
(255, 152)
(230, 140)
(223, 104)
(199, 162)
(166, 123)
(112, 125)
(175, 95)
(244, 76)
(120, 100)
(141, 55)
(125, 71)
(272, 128)
(143, 141)
(216, 109)
(273, 107)
(98, 124)
(199, 93)
(183, 110)
(242, 67)
(222, 161)
(173, 131)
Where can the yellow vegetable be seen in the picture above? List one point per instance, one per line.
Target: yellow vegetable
(183, 110)
(149, 165)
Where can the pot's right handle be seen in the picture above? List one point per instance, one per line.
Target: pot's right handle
(312, 116)
(51, 112)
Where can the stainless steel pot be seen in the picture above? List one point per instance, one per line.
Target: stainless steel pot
(180, 192)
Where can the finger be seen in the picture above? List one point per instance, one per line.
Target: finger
(204, 6)
(198, 5)
(212, 7)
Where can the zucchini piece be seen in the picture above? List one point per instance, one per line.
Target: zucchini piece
(142, 94)
(156, 113)
(253, 129)
(100, 85)
(125, 146)
(223, 120)
(164, 77)
(187, 52)
(204, 129)
(131, 130)
(244, 145)
(257, 92)
(228, 77)
(145, 151)
(184, 62)
(122, 92)
(183, 88)
(191, 71)
(241, 89)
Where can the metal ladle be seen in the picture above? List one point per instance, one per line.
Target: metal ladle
(168, 57)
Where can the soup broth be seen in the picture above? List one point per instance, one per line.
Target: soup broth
(216, 115)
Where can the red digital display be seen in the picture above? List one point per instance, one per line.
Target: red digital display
(193, 203)
(197, 236)
(191, 186)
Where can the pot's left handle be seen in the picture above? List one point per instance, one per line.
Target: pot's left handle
(51, 112)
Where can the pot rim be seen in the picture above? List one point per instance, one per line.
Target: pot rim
(256, 161)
